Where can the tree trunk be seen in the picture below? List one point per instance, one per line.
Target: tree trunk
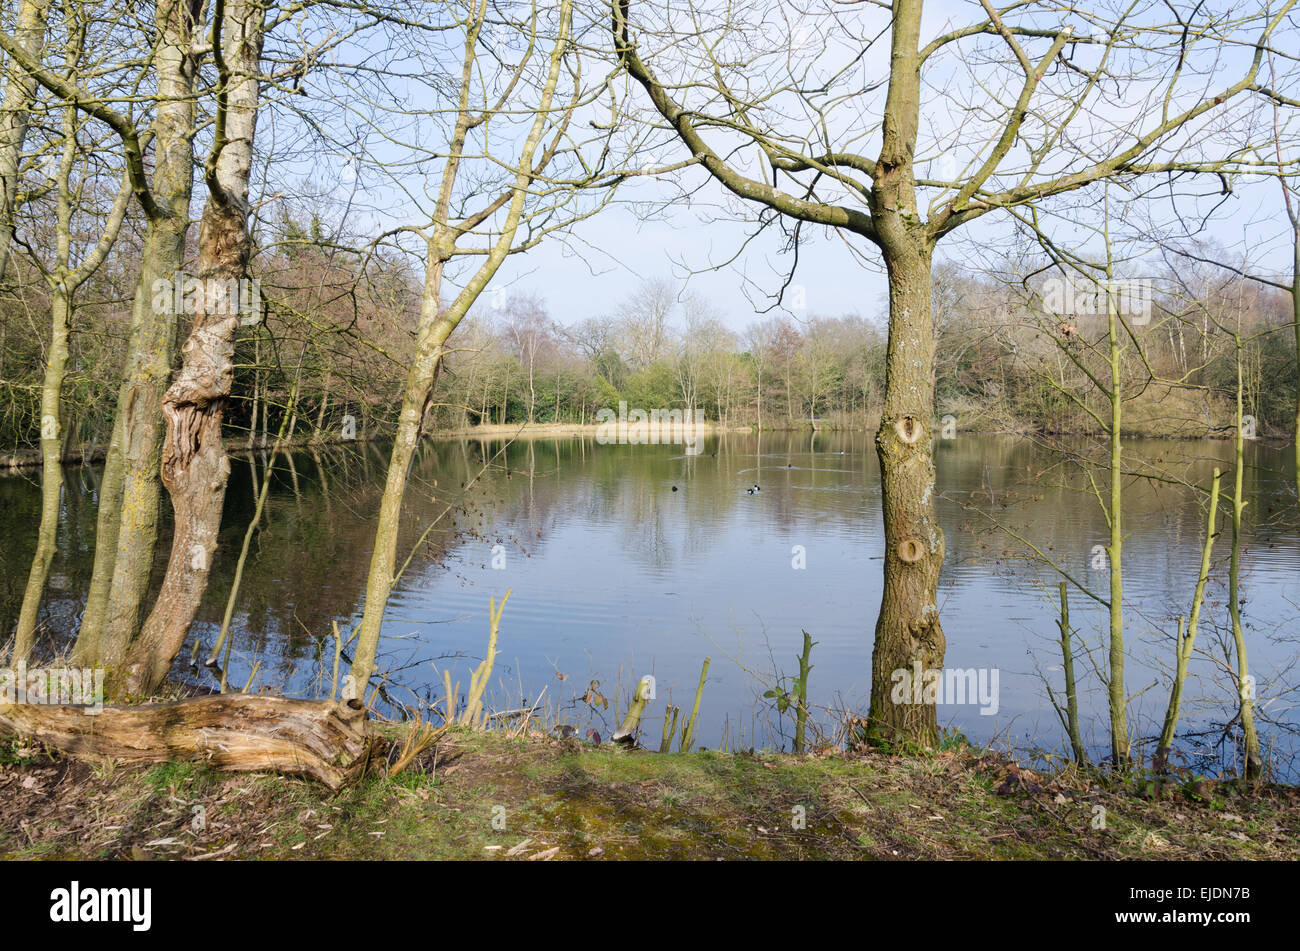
(257, 388)
(51, 477)
(1254, 764)
(1117, 697)
(909, 639)
(383, 560)
(908, 632)
(1187, 639)
(194, 464)
(1295, 313)
(325, 739)
(127, 525)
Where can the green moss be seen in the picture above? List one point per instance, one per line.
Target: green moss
(480, 796)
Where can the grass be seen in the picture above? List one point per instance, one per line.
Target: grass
(489, 796)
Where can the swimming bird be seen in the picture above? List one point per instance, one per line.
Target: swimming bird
(674, 488)
(757, 489)
(750, 491)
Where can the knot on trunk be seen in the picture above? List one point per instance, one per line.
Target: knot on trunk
(908, 429)
(910, 550)
(928, 642)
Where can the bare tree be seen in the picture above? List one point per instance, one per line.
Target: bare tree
(644, 318)
(530, 190)
(530, 330)
(788, 128)
(64, 277)
(127, 528)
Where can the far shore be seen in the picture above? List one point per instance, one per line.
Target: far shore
(554, 430)
(29, 457)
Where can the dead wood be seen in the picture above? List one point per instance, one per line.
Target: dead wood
(325, 739)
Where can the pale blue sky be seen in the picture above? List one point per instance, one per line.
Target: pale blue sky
(586, 273)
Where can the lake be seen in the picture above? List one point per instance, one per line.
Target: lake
(614, 575)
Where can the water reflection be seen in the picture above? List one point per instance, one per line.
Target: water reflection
(614, 574)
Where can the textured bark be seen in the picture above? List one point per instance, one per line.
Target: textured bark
(127, 522)
(908, 632)
(51, 477)
(15, 116)
(194, 464)
(907, 629)
(127, 526)
(326, 739)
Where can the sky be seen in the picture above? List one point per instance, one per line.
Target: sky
(587, 274)
(702, 242)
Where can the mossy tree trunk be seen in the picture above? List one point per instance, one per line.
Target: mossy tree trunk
(51, 475)
(126, 525)
(153, 341)
(194, 464)
(64, 281)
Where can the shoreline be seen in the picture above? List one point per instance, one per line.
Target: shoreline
(557, 430)
(29, 457)
(575, 801)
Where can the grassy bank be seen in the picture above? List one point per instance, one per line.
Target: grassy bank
(559, 799)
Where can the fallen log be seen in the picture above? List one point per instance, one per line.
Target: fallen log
(326, 739)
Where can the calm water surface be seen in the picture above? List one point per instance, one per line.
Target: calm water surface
(614, 575)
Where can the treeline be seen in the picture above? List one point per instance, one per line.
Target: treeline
(325, 356)
(332, 324)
